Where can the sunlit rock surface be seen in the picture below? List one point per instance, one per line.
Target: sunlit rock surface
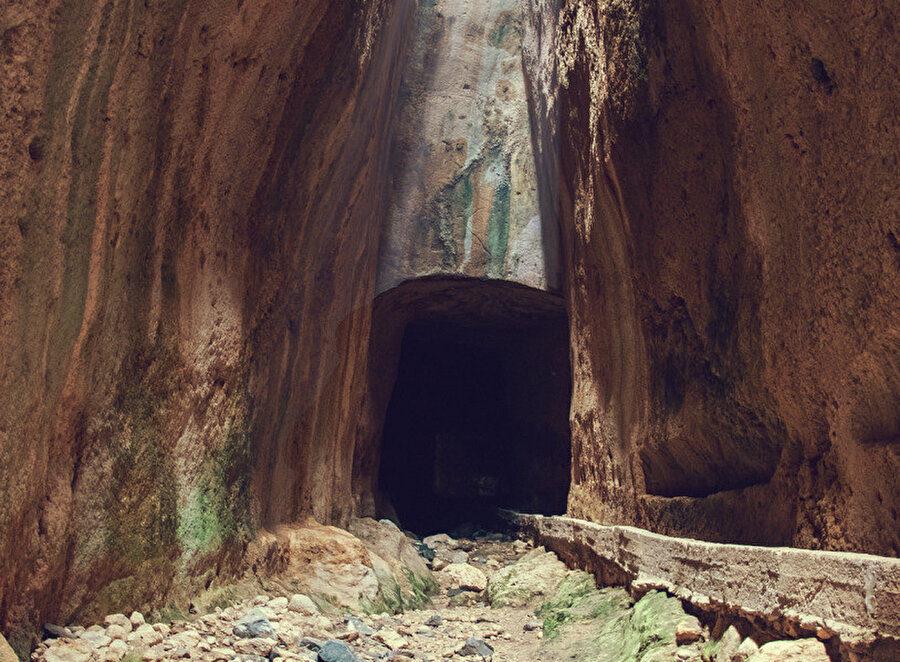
(464, 196)
(725, 179)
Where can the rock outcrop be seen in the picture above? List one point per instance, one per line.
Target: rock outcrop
(724, 176)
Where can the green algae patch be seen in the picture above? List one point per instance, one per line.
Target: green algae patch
(218, 512)
(578, 599)
(393, 599)
(602, 625)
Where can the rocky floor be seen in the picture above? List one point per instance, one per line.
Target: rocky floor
(496, 599)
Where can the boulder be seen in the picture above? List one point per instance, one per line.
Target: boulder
(406, 569)
(320, 560)
(728, 645)
(533, 579)
(747, 649)
(465, 577)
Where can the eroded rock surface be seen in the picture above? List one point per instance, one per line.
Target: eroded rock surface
(464, 195)
(727, 205)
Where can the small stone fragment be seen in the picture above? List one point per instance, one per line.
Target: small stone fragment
(336, 651)
(311, 643)
(688, 631)
(391, 638)
(115, 651)
(59, 632)
(116, 631)
(466, 577)
(254, 624)
(254, 646)
(119, 619)
(458, 556)
(146, 635)
(303, 604)
(475, 646)
(96, 639)
(278, 603)
(358, 625)
(136, 619)
(65, 654)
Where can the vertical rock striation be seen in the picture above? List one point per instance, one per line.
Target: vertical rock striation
(725, 180)
(464, 195)
(187, 256)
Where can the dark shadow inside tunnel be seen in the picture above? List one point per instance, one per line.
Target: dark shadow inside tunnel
(478, 417)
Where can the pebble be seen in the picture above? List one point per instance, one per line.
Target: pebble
(278, 603)
(336, 651)
(119, 619)
(59, 632)
(391, 638)
(302, 604)
(475, 646)
(254, 624)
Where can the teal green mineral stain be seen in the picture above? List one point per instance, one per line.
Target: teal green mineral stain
(498, 230)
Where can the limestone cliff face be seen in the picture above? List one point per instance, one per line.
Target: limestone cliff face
(187, 255)
(725, 177)
(464, 194)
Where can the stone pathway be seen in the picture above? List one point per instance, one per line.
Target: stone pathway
(498, 600)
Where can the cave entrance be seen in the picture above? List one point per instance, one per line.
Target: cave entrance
(478, 416)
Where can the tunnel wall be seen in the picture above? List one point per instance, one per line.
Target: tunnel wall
(724, 176)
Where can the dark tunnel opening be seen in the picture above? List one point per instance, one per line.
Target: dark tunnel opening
(478, 419)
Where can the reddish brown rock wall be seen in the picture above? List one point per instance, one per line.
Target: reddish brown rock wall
(725, 176)
(186, 261)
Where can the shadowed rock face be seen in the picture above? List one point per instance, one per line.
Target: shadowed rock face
(187, 255)
(724, 177)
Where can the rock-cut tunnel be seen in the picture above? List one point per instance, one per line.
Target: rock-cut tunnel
(478, 414)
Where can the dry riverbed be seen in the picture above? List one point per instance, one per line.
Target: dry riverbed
(492, 598)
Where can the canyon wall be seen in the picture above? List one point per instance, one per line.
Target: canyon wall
(725, 178)
(187, 261)
(199, 204)
(464, 195)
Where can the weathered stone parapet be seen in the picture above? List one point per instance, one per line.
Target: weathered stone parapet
(796, 592)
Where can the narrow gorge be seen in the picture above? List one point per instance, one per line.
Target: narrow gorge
(426, 329)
